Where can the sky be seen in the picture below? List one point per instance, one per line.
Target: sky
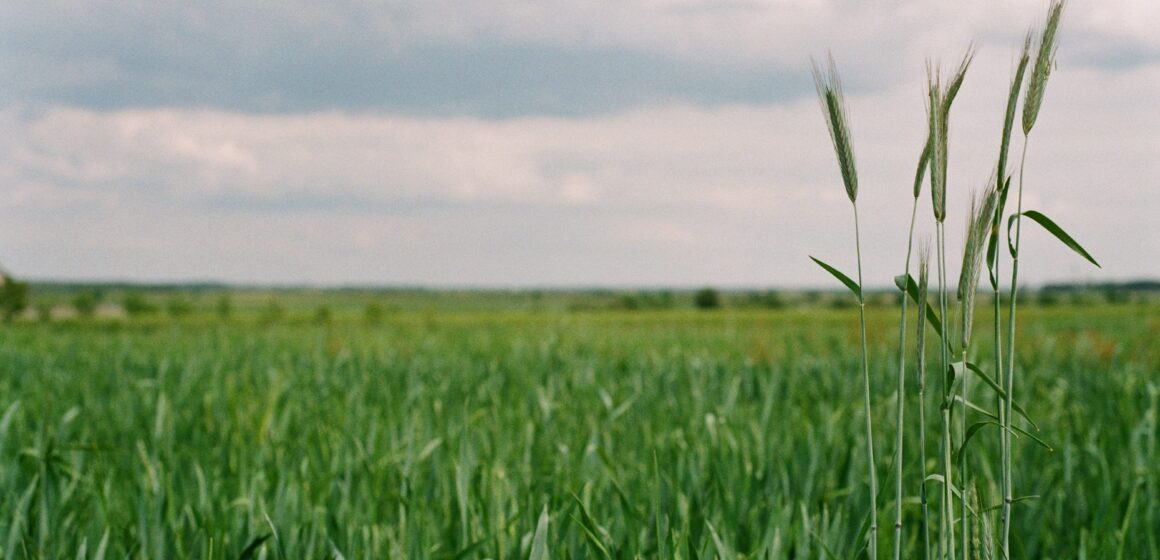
(549, 143)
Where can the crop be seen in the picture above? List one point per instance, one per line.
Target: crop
(833, 106)
(442, 433)
(980, 244)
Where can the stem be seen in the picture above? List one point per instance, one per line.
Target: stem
(866, 398)
(1008, 493)
(901, 392)
(963, 520)
(922, 444)
(947, 523)
(999, 355)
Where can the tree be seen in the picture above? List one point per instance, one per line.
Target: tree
(13, 297)
(85, 303)
(135, 305)
(707, 298)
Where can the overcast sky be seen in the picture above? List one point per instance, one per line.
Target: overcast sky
(546, 143)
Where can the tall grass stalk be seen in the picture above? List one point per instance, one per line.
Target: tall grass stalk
(1036, 85)
(922, 162)
(920, 366)
(1003, 183)
(939, 102)
(829, 90)
(978, 229)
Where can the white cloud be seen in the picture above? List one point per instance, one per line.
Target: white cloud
(669, 190)
(669, 194)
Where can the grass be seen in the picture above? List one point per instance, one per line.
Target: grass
(984, 222)
(829, 89)
(440, 434)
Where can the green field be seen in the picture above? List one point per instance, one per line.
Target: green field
(444, 433)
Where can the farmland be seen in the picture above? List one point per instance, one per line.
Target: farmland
(445, 430)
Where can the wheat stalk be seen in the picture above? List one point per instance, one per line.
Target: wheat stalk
(829, 89)
(1032, 103)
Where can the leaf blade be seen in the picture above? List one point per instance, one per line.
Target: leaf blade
(911, 289)
(846, 280)
(1061, 235)
(540, 538)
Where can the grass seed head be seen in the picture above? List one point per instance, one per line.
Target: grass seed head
(1009, 117)
(938, 108)
(975, 245)
(923, 160)
(923, 287)
(938, 145)
(829, 89)
(1044, 61)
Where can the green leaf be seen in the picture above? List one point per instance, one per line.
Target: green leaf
(102, 546)
(955, 374)
(852, 285)
(251, 551)
(954, 378)
(1013, 501)
(540, 538)
(723, 550)
(954, 489)
(906, 283)
(592, 530)
(1002, 394)
(993, 237)
(971, 431)
(975, 407)
(1053, 229)
(1033, 437)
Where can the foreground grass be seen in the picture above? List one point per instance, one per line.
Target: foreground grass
(441, 435)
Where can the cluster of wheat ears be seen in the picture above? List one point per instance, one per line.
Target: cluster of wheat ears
(985, 220)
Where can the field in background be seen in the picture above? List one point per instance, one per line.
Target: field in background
(443, 424)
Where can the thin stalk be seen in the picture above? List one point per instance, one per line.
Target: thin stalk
(963, 392)
(1003, 184)
(999, 378)
(921, 371)
(866, 397)
(922, 453)
(1008, 492)
(948, 524)
(902, 392)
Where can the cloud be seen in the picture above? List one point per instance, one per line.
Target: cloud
(506, 58)
(670, 194)
(503, 142)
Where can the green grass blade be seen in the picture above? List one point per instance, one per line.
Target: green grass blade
(251, 550)
(993, 236)
(906, 283)
(723, 550)
(970, 433)
(540, 538)
(1055, 230)
(850, 284)
(102, 546)
(999, 391)
(592, 530)
(1033, 437)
